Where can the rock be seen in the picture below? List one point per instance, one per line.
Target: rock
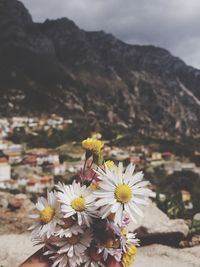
(156, 227)
(196, 240)
(4, 203)
(14, 249)
(153, 255)
(15, 203)
(197, 217)
(15, 211)
(159, 255)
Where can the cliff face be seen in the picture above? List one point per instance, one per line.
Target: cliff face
(56, 67)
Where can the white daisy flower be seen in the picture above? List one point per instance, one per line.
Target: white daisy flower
(62, 260)
(122, 193)
(68, 228)
(114, 252)
(48, 217)
(77, 200)
(127, 239)
(75, 245)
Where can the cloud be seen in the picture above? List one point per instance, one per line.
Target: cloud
(173, 25)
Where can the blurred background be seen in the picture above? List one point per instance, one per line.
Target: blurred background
(76, 69)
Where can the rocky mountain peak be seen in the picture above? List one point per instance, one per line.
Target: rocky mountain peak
(14, 11)
(61, 68)
(62, 23)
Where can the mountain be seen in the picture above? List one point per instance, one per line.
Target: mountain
(55, 67)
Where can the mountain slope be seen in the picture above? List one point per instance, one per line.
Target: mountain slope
(56, 67)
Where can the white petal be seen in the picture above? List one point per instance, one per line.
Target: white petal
(142, 191)
(71, 251)
(141, 184)
(34, 216)
(136, 209)
(44, 201)
(64, 249)
(120, 169)
(80, 221)
(115, 207)
(129, 172)
(140, 201)
(119, 215)
(68, 214)
(130, 213)
(102, 193)
(136, 178)
(39, 206)
(106, 186)
(104, 201)
(105, 211)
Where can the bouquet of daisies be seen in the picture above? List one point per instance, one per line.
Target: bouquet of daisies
(86, 223)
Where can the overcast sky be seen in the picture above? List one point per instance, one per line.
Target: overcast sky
(172, 24)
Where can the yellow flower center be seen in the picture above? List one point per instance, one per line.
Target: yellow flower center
(47, 214)
(129, 257)
(93, 145)
(132, 250)
(74, 239)
(127, 260)
(123, 193)
(78, 203)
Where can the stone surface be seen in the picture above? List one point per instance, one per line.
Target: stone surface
(14, 249)
(159, 255)
(14, 213)
(156, 227)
